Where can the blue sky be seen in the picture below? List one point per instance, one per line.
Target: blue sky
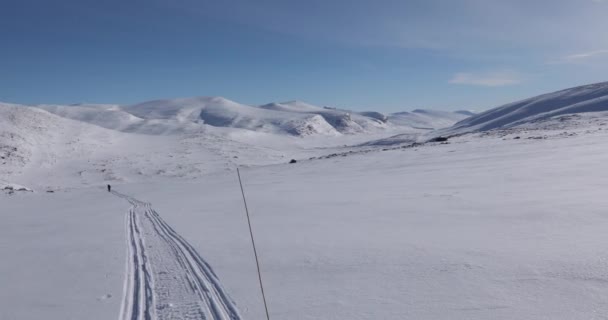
(385, 55)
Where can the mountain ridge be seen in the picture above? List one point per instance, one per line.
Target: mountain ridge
(295, 118)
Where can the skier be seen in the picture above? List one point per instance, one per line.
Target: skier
(109, 188)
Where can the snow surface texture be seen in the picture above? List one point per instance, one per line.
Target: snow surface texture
(166, 278)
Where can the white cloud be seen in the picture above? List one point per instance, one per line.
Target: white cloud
(586, 55)
(488, 79)
(581, 57)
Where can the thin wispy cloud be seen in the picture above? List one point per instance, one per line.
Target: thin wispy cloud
(465, 26)
(487, 79)
(581, 57)
(586, 55)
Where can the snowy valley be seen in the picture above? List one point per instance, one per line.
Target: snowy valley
(57, 146)
(412, 215)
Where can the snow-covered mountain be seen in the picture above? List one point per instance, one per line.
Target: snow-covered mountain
(292, 117)
(588, 98)
(204, 134)
(221, 112)
(115, 118)
(48, 145)
(530, 112)
(295, 118)
(344, 121)
(349, 121)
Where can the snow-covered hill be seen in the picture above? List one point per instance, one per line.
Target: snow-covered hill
(588, 98)
(68, 145)
(42, 150)
(33, 140)
(115, 118)
(343, 121)
(221, 112)
(295, 118)
(353, 122)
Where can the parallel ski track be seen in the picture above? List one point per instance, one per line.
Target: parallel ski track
(165, 277)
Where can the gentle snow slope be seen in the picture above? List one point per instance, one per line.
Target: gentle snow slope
(588, 98)
(63, 255)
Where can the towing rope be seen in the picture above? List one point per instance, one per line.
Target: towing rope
(255, 252)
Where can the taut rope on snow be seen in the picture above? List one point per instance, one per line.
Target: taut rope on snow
(255, 252)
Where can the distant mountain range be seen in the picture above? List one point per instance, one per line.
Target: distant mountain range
(293, 118)
(92, 143)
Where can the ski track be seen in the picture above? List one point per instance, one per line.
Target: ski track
(165, 277)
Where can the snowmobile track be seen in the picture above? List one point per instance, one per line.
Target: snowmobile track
(165, 277)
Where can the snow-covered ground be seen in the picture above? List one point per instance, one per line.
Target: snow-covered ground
(506, 223)
(487, 226)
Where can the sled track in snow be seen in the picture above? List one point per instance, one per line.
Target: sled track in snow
(165, 277)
